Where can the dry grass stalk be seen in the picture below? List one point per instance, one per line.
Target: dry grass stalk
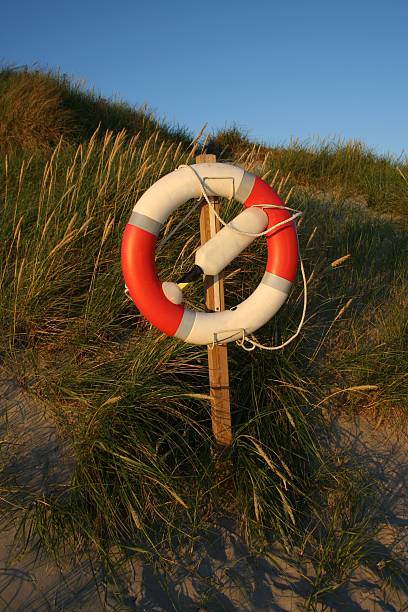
(135, 517)
(177, 151)
(402, 174)
(290, 192)
(290, 417)
(267, 460)
(112, 400)
(205, 142)
(275, 178)
(310, 277)
(312, 235)
(257, 508)
(265, 175)
(343, 310)
(107, 229)
(359, 388)
(286, 506)
(340, 260)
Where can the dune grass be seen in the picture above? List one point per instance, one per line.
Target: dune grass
(336, 169)
(134, 404)
(40, 108)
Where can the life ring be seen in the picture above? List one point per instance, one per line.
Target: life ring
(139, 243)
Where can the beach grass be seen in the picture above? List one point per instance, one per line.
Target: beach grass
(132, 403)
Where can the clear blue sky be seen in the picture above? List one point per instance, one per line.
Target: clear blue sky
(302, 69)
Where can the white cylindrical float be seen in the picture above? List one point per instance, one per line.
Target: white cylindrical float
(217, 253)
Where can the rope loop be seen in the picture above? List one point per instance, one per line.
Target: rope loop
(241, 342)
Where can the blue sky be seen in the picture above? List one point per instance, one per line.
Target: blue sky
(277, 69)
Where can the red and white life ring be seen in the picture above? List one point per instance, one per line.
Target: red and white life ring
(138, 254)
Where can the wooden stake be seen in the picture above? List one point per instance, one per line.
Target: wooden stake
(217, 355)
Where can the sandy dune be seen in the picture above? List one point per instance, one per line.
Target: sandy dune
(218, 573)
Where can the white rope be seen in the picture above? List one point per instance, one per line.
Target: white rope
(241, 343)
(253, 342)
(298, 213)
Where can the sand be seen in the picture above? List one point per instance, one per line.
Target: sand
(217, 572)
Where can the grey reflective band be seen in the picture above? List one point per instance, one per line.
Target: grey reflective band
(145, 223)
(277, 282)
(186, 324)
(245, 187)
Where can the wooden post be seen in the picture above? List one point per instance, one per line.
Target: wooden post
(217, 355)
